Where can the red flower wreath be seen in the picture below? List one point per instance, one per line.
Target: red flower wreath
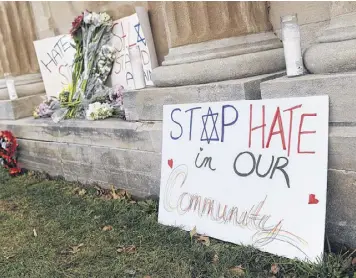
(8, 148)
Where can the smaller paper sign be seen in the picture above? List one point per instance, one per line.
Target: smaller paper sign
(248, 172)
(55, 56)
(132, 31)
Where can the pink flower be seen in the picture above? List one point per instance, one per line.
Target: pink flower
(76, 24)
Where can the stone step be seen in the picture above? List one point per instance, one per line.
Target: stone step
(19, 108)
(26, 85)
(339, 87)
(113, 133)
(147, 104)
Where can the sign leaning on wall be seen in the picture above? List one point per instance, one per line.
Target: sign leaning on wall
(128, 32)
(55, 56)
(249, 172)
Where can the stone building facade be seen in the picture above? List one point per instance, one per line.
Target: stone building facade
(208, 51)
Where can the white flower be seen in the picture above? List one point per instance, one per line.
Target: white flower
(104, 17)
(98, 111)
(88, 17)
(96, 19)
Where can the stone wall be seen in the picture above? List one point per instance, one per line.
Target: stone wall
(108, 153)
(54, 18)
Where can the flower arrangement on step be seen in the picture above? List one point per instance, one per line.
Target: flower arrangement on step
(8, 149)
(87, 96)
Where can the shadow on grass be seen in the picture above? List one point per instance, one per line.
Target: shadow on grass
(70, 240)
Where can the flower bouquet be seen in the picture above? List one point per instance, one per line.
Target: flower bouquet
(46, 108)
(92, 65)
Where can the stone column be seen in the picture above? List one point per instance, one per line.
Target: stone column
(18, 57)
(216, 41)
(336, 47)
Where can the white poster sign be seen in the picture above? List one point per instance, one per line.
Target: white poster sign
(248, 172)
(133, 32)
(55, 56)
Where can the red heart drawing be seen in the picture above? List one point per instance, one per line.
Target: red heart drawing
(312, 199)
(170, 163)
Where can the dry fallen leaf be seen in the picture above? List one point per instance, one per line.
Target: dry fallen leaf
(204, 240)
(130, 249)
(75, 249)
(128, 195)
(215, 259)
(133, 202)
(238, 270)
(107, 228)
(193, 232)
(275, 269)
(147, 276)
(113, 193)
(34, 233)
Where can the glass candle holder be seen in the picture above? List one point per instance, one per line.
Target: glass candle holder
(10, 84)
(291, 45)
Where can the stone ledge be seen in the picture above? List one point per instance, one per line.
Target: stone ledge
(19, 108)
(339, 87)
(215, 70)
(107, 133)
(147, 104)
(222, 48)
(113, 133)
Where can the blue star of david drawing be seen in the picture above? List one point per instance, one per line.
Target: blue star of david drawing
(139, 37)
(204, 134)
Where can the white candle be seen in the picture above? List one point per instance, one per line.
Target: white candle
(10, 84)
(291, 45)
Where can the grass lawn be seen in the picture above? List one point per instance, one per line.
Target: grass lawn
(51, 228)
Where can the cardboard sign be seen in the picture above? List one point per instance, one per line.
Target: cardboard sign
(55, 56)
(132, 31)
(248, 172)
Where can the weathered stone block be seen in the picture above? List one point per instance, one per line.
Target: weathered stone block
(339, 87)
(19, 108)
(342, 147)
(52, 166)
(341, 207)
(147, 104)
(137, 171)
(108, 133)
